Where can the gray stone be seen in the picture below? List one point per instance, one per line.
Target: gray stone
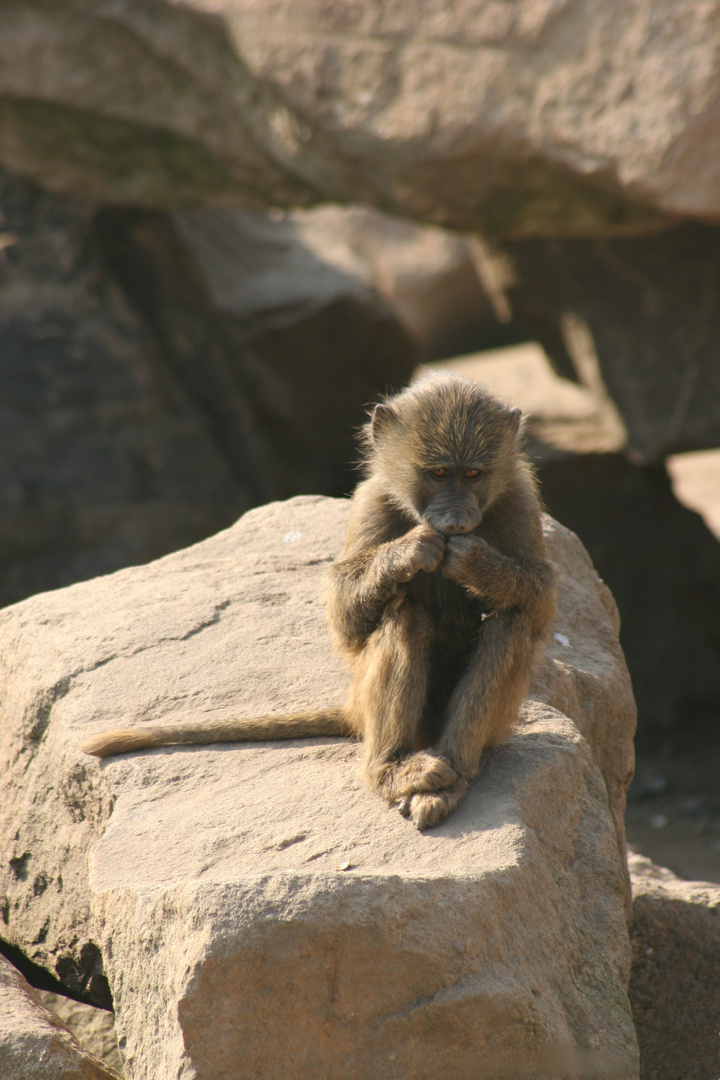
(675, 981)
(535, 117)
(428, 276)
(158, 376)
(638, 314)
(662, 564)
(257, 900)
(103, 460)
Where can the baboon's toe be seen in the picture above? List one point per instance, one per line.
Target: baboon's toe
(424, 772)
(429, 808)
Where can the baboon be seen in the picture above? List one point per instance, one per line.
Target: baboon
(439, 601)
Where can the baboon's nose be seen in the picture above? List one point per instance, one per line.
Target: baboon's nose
(454, 528)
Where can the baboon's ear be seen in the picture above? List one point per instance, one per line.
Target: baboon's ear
(382, 417)
(515, 421)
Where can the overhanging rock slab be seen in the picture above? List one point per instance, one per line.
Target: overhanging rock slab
(258, 911)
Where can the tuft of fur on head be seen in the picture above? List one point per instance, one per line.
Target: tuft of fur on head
(442, 420)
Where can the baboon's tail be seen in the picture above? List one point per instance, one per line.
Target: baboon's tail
(301, 725)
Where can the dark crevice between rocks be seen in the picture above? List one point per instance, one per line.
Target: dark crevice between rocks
(85, 983)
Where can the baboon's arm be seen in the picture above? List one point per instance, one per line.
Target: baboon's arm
(365, 581)
(501, 580)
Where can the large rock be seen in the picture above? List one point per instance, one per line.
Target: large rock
(675, 982)
(663, 566)
(256, 903)
(427, 275)
(34, 1043)
(158, 376)
(525, 118)
(103, 460)
(93, 1028)
(282, 349)
(637, 312)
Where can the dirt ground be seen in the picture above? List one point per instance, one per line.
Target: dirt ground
(673, 813)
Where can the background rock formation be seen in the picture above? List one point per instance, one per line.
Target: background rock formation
(160, 375)
(575, 119)
(649, 323)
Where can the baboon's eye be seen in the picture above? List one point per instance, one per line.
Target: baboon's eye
(440, 473)
(471, 474)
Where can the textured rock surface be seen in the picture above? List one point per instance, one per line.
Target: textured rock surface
(93, 1028)
(278, 347)
(427, 275)
(270, 867)
(649, 323)
(103, 460)
(675, 982)
(663, 566)
(34, 1043)
(530, 117)
(230, 368)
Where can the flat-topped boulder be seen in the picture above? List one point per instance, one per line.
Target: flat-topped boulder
(254, 909)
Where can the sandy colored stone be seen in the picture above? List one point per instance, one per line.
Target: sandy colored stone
(529, 117)
(675, 981)
(427, 275)
(34, 1043)
(93, 1028)
(256, 907)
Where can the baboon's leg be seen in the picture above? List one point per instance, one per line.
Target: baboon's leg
(387, 700)
(480, 713)
(484, 705)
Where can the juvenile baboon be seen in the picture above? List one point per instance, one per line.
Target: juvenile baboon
(439, 600)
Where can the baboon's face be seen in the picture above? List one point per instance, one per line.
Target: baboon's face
(452, 498)
(444, 450)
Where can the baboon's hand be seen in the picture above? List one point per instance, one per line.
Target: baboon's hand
(422, 548)
(464, 556)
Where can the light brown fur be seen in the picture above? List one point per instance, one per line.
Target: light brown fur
(439, 600)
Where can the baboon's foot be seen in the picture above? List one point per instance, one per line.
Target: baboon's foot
(422, 771)
(428, 808)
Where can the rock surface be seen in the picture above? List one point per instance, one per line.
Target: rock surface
(662, 564)
(256, 901)
(675, 982)
(647, 322)
(281, 349)
(34, 1043)
(160, 376)
(529, 118)
(536, 122)
(427, 276)
(103, 460)
(93, 1028)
